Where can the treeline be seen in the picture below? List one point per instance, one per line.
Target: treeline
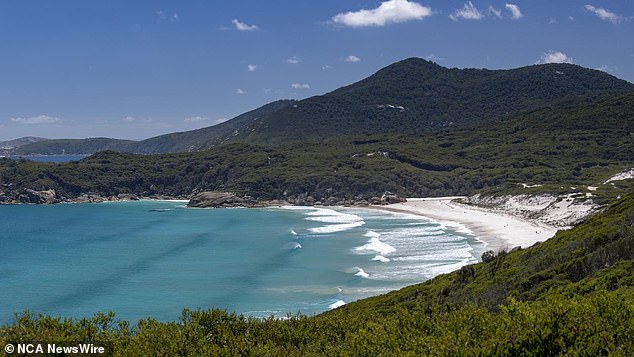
(575, 145)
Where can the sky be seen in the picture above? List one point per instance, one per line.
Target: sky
(137, 69)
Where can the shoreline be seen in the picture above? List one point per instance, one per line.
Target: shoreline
(497, 230)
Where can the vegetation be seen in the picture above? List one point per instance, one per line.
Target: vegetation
(71, 146)
(576, 144)
(410, 97)
(571, 295)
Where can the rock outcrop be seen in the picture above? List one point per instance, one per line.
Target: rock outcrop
(39, 197)
(219, 199)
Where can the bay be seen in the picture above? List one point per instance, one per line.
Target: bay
(153, 258)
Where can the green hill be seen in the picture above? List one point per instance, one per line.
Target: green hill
(577, 143)
(415, 96)
(197, 140)
(410, 97)
(72, 146)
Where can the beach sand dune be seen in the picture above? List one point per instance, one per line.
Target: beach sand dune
(498, 231)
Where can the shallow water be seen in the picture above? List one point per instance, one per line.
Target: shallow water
(153, 258)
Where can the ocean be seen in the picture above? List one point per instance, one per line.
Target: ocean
(153, 258)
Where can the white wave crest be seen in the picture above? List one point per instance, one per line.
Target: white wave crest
(360, 272)
(371, 234)
(338, 303)
(332, 228)
(381, 259)
(375, 245)
(342, 221)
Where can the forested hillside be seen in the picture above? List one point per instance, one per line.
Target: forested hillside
(410, 97)
(574, 144)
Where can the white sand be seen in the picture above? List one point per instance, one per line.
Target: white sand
(498, 231)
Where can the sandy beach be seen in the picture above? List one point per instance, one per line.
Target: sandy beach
(499, 231)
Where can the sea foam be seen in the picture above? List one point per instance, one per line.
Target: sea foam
(338, 303)
(360, 272)
(381, 259)
(375, 245)
(341, 221)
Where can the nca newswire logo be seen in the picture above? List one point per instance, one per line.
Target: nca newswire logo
(66, 348)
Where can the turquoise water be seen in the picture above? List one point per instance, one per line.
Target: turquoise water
(153, 258)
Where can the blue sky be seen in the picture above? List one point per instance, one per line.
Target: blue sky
(135, 69)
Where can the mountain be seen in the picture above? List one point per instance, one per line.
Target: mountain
(12, 144)
(416, 96)
(197, 140)
(577, 143)
(187, 141)
(410, 97)
(73, 146)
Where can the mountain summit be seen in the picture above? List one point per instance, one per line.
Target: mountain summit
(411, 97)
(415, 96)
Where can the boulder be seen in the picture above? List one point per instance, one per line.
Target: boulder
(389, 198)
(217, 199)
(39, 197)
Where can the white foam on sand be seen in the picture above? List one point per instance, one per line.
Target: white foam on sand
(498, 231)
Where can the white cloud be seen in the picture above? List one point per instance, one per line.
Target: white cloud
(432, 57)
(391, 11)
(515, 11)
(555, 57)
(129, 119)
(162, 16)
(195, 119)
(220, 120)
(468, 12)
(300, 86)
(604, 14)
(241, 26)
(40, 119)
(293, 60)
(252, 67)
(352, 59)
(552, 21)
(493, 11)
(240, 91)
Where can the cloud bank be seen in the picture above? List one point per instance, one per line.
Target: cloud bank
(40, 119)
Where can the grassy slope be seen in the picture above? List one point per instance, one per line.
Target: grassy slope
(570, 295)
